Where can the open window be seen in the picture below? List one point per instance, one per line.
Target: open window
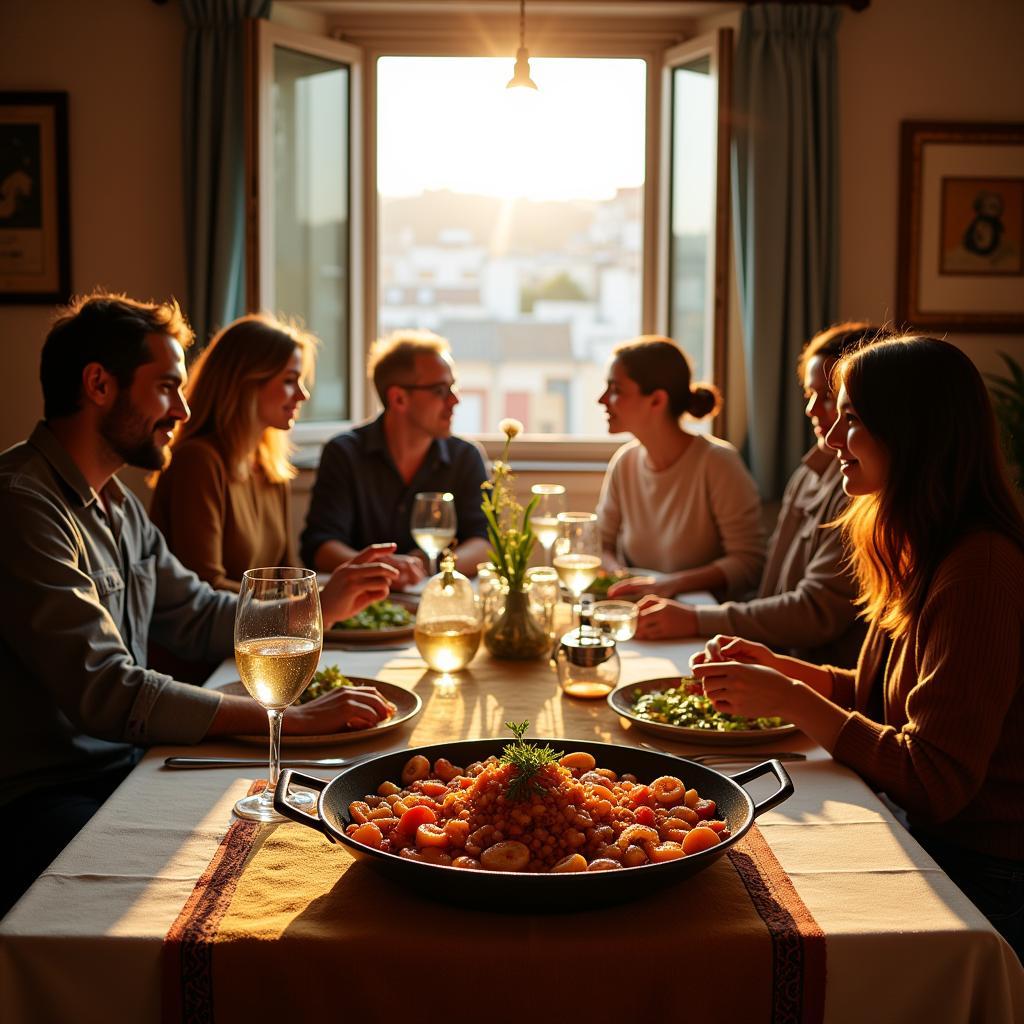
(694, 223)
(304, 204)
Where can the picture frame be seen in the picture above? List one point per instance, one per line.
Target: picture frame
(35, 253)
(961, 226)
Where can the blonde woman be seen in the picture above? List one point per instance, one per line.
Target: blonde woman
(223, 503)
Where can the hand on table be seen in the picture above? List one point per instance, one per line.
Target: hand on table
(634, 586)
(339, 710)
(664, 619)
(358, 583)
(411, 570)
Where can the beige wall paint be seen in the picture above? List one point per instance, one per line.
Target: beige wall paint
(942, 60)
(120, 62)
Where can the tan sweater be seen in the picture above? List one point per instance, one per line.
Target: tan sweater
(951, 750)
(704, 509)
(805, 601)
(219, 527)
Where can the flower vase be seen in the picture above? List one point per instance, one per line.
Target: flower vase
(516, 634)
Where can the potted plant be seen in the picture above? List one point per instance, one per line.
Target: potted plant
(1008, 401)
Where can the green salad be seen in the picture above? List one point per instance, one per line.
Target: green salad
(687, 707)
(379, 615)
(324, 680)
(604, 582)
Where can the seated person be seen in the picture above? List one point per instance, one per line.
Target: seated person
(88, 579)
(937, 544)
(805, 601)
(681, 504)
(368, 476)
(223, 504)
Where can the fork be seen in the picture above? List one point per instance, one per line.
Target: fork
(728, 758)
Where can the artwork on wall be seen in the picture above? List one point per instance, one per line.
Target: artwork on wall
(35, 258)
(961, 231)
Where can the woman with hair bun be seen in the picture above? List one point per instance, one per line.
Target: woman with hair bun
(678, 503)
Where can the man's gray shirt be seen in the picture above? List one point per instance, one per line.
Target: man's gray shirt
(83, 591)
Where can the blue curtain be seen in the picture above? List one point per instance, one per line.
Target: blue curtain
(214, 155)
(785, 202)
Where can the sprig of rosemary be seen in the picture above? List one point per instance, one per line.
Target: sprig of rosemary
(527, 759)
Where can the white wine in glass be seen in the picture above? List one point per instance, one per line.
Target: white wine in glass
(432, 523)
(278, 639)
(577, 551)
(544, 520)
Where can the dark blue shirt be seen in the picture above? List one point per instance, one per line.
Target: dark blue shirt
(360, 497)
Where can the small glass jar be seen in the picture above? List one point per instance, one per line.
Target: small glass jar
(490, 592)
(544, 596)
(448, 624)
(587, 663)
(616, 618)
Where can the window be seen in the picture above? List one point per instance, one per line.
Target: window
(483, 225)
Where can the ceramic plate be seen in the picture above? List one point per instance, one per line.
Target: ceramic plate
(408, 705)
(620, 700)
(369, 637)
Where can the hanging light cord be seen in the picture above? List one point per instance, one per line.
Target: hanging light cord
(522, 23)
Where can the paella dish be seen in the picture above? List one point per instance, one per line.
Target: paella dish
(534, 810)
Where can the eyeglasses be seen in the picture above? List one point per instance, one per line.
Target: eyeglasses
(441, 390)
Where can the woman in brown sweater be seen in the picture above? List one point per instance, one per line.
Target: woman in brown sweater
(937, 545)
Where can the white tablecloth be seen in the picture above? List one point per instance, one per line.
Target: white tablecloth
(902, 943)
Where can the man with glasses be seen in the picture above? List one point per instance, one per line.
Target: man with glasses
(369, 476)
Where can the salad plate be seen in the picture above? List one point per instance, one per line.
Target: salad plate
(382, 622)
(407, 706)
(715, 727)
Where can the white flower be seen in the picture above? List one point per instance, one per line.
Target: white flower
(510, 428)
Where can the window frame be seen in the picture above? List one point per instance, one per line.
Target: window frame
(457, 33)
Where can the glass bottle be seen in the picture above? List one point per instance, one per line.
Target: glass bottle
(448, 622)
(587, 663)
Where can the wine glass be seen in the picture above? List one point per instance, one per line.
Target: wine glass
(617, 618)
(544, 520)
(433, 523)
(278, 638)
(577, 552)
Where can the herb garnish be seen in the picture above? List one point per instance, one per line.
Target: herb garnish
(527, 759)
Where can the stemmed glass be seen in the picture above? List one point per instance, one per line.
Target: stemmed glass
(433, 523)
(544, 521)
(278, 638)
(577, 552)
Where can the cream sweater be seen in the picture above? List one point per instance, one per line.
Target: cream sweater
(704, 509)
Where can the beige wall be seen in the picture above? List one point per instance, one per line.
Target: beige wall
(943, 60)
(120, 61)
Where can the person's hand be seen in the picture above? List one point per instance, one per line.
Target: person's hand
(353, 586)
(634, 586)
(410, 570)
(749, 690)
(735, 648)
(339, 710)
(664, 619)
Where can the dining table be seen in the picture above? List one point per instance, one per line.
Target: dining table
(166, 908)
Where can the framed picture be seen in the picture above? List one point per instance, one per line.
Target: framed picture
(961, 230)
(35, 258)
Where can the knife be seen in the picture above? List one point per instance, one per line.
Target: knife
(242, 762)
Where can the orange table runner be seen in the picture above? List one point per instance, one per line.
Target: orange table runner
(283, 922)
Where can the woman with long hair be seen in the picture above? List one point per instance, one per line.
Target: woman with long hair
(937, 548)
(222, 503)
(679, 503)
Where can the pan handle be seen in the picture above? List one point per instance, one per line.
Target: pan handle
(283, 807)
(784, 792)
